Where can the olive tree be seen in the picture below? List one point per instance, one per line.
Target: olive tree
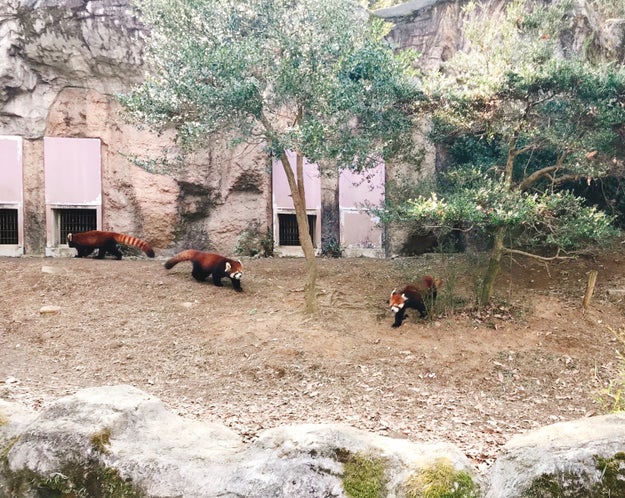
(522, 122)
(311, 76)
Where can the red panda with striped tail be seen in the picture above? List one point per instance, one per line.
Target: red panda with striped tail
(206, 263)
(86, 242)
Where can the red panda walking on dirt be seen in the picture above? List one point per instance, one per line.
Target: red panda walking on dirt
(412, 296)
(86, 242)
(206, 263)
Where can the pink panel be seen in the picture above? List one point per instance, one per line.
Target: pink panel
(10, 170)
(359, 229)
(72, 171)
(281, 191)
(361, 189)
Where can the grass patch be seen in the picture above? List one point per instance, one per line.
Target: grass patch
(363, 475)
(611, 482)
(100, 441)
(612, 398)
(441, 480)
(89, 480)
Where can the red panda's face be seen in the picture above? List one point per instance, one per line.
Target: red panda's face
(234, 269)
(397, 301)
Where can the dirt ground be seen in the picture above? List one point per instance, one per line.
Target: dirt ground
(253, 361)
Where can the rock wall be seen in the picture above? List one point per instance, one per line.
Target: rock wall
(62, 63)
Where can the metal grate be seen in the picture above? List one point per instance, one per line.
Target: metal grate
(75, 221)
(288, 231)
(8, 226)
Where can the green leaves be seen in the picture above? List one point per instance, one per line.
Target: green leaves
(548, 220)
(313, 75)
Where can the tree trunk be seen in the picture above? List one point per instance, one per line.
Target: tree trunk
(493, 266)
(296, 185)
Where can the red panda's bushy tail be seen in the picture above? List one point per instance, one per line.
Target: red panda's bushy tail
(430, 283)
(129, 240)
(188, 255)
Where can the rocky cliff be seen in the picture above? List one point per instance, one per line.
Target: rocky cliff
(62, 62)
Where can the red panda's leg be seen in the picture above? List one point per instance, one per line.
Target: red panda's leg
(399, 317)
(198, 273)
(236, 284)
(114, 250)
(83, 252)
(420, 306)
(217, 279)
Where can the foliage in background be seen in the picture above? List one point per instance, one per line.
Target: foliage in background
(521, 122)
(315, 77)
(253, 242)
(608, 8)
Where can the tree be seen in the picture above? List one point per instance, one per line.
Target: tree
(520, 122)
(312, 76)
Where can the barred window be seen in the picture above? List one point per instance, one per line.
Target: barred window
(288, 231)
(75, 221)
(8, 226)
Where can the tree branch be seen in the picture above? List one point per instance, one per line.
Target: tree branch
(537, 175)
(557, 256)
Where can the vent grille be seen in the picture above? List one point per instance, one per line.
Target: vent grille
(8, 226)
(75, 221)
(288, 231)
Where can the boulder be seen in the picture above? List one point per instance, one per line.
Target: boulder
(582, 458)
(123, 438)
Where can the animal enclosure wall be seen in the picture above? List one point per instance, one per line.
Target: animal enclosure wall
(73, 189)
(11, 197)
(360, 234)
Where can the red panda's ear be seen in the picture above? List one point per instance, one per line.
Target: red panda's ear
(228, 266)
(394, 292)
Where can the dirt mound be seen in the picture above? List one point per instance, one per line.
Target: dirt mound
(252, 361)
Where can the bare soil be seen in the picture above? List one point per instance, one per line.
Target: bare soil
(253, 361)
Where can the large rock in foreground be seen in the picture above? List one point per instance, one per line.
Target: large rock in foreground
(120, 438)
(580, 459)
(121, 442)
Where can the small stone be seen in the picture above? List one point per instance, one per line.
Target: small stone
(49, 310)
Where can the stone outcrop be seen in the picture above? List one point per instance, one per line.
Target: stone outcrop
(159, 454)
(47, 46)
(125, 439)
(433, 29)
(586, 457)
(62, 64)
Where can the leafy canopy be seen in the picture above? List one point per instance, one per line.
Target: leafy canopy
(522, 122)
(316, 76)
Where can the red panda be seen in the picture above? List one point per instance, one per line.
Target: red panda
(86, 242)
(412, 296)
(206, 263)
